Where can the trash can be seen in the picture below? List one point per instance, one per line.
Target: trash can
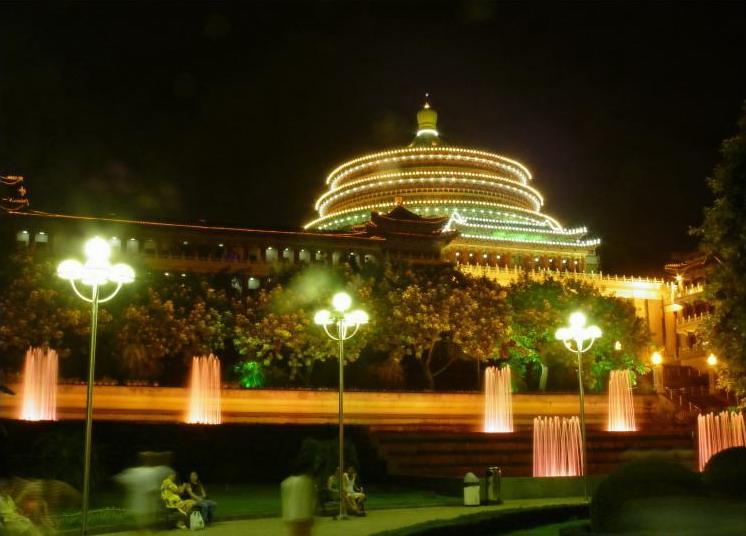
(471, 490)
(494, 477)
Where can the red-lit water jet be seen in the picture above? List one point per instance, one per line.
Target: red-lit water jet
(719, 432)
(39, 392)
(498, 401)
(557, 447)
(621, 402)
(204, 398)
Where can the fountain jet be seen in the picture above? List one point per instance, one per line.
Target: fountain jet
(719, 432)
(204, 398)
(498, 402)
(557, 449)
(621, 402)
(39, 395)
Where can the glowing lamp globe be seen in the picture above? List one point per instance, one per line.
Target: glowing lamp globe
(712, 360)
(70, 270)
(357, 316)
(656, 358)
(122, 273)
(563, 334)
(322, 318)
(97, 249)
(593, 332)
(341, 301)
(577, 320)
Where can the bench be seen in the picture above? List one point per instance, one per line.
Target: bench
(327, 502)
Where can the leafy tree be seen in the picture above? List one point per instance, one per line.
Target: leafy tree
(169, 323)
(39, 309)
(540, 307)
(723, 238)
(426, 309)
(276, 327)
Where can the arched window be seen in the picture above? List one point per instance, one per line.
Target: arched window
(271, 254)
(133, 246)
(22, 237)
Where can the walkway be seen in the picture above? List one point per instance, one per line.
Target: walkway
(376, 521)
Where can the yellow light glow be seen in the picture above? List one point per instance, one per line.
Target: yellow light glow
(617, 346)
(358, 316)
(341, 301)
(97, 249)
(577, 320)
(322, 317)
(656, 358)
(70, 270)
(122, 273)
(712, 360)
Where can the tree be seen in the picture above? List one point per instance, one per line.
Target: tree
(39, 309)
(723, 238)
(276, 329)
(169, 323)
(439, 307)
(540, 307)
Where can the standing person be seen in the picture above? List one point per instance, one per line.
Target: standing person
(195, 490)
(142, 484)
(298, 499)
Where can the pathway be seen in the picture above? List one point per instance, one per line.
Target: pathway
(376, 521)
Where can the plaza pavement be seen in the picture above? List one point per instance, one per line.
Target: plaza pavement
(376, 521)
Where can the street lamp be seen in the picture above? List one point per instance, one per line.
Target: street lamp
(712, 361)
(340, 326)
(578, 338)
(95, 273)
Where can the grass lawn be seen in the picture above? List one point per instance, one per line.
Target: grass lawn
(245, 501)
(544, 530)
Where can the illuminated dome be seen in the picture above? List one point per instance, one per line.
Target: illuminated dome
(488, 197)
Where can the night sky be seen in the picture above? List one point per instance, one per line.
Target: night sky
(234, 113)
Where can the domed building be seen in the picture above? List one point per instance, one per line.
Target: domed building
(488, 198)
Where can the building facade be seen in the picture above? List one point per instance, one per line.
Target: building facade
(425, 203)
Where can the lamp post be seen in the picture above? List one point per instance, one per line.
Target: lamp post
(95, 273)
(340, 326)
(712, 361)
(578, 338)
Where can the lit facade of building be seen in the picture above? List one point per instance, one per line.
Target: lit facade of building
(425, 203)
(489, 199)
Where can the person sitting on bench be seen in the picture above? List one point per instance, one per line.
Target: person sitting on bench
(171, 496)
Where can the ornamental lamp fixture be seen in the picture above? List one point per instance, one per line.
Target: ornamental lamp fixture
(578, 338)
(341, 325)
(95, 272)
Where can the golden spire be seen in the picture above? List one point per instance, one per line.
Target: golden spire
(427, 103)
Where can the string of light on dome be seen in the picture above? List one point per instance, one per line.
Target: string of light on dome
(537, 216)
(375, 182)
(398, 190)
(564, 232)
(428, 173)
(428, 154)
(579, 243)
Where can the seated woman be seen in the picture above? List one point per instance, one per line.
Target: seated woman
(193, 489)
(354, 492)
(171, 496)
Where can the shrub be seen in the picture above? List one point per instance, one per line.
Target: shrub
(725, 474)
(644, 479)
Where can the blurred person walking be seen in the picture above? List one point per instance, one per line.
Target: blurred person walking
(298, 498)
(143, 485)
